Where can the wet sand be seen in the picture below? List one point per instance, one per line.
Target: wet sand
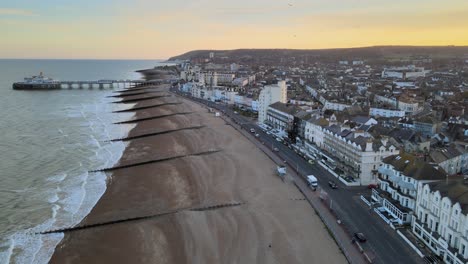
(272, 226)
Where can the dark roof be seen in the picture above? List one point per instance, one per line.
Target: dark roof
(365, 127)
(427, 120)
(334, 128)
(319, 121)
(410, 166)
(360, 119)
(455, 189)
(402, 134)
(286, 108)
(302, 115)
(378, 130)
(441, 155)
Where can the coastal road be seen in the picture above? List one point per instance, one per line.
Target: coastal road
(383, 244)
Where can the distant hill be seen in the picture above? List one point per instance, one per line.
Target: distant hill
(377, 52)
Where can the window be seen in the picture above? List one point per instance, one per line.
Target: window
(417, 230)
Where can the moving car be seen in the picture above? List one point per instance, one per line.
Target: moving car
(276, 149)
(252, 130)
(312, 181)
(360, 237)
(332, 184)
(257, 135)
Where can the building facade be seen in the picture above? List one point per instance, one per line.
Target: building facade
(283, 117)
(314, 130)
(358, 153)
(441, 219)
(427, 126)
(382, 112)
(268, 95)
(399, 176)
(453, 159)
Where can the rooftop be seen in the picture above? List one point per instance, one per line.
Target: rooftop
(455, 189)
(286, 108)
(410, 166)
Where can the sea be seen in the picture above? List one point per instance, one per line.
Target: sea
(49, 143)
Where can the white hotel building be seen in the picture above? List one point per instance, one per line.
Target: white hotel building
(359, 154)
(441, 219)
(383, 112)
(399, 177)
(268, 95)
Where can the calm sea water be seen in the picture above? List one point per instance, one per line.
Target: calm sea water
(49, 140)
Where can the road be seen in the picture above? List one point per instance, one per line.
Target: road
(383, 243)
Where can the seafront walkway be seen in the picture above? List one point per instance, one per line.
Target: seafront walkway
(352, 250)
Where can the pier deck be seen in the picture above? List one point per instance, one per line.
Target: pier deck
(101, 84)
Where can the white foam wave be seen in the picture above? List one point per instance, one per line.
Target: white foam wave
(30, 247)
(74, 196)
(58, 178)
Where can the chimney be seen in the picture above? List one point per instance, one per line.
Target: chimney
(369, 144)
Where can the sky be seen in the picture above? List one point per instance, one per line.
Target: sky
(148, 29)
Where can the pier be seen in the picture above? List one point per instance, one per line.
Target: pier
(101, 84)
(40, 83)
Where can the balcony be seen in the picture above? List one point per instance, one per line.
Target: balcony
(394, 202)
(425, 227)
(453, 252)
(385, 180)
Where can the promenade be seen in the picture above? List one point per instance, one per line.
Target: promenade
(351, 250)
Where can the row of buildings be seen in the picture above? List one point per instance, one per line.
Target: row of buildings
(415, 193)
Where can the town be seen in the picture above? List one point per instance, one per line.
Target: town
(394, 128)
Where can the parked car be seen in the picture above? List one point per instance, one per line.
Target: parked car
(278, 139)
(332, 184)
(372, 186)
(276, 149)
(311, 161)
(360, 237)
(257, 135)
(349, 179)
(252, 130)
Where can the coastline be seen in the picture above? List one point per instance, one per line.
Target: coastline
(271, 224)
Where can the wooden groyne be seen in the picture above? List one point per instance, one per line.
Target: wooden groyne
(157, 160)
(113, 222)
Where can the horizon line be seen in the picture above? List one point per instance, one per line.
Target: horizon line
(232, 49)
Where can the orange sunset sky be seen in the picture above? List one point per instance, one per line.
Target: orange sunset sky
(144, 29)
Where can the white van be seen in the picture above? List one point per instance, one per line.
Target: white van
(312, 181)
